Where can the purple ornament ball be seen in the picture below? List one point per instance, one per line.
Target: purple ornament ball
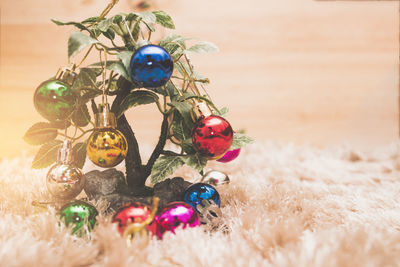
(175, 214)
(229, 156)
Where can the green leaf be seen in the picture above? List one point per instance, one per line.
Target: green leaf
(46, 155)
(187, 146)
(104, 25)
(87, 96)
(79, 152)
(136, 98)
(90, 20)
(164, 166)
(119, 68)
(40, 133)
(131, 16)
(110, 34)
(81, 116)
(78, 41)
(148, 17)
(76, 24)
(168, 90)
(125, 57)
(223, 111)
(195, 161)
(164, 19)
(179, 128)
(240, 140)
(135, 30)
(86, 79)
(116, 19)
(184, 109)
(60, 124)
(203, 47)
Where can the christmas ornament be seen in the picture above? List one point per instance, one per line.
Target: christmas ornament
(174, 215)
(64, 180)
(211, 135)
(81, 214)
(205, 199)
(134, 220)
(151, 66)
(132, 213)
(54, 99)
(215, 178)
(106, 146)
(229, 156)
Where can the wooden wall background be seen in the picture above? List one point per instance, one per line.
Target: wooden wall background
(305, 71)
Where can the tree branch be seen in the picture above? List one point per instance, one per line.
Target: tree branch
(133, 161)
(159, 147)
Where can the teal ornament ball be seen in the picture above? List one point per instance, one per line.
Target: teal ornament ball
(54, 100)
(80, 214)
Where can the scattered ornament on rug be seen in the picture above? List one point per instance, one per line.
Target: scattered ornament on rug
(205, 199)
(151, 66)
(135, 221)
(54, 99)
(81, 214)
(229, 156)
(212, 135)
(64, 180)
(107, 146)
(215, 178)
(209, 212)
(175, 214)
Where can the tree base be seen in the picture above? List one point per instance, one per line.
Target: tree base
(110, 185)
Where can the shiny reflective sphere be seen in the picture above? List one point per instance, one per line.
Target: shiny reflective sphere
(175, 214)
(212, 136)
(131, 213)
(65, 181)
(107, 147)
(229, 156)
(54, 100)
(215, 178)
(196, 193)
(151, 66)
(81, 214)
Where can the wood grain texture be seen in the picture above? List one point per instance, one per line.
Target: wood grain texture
(303, 71)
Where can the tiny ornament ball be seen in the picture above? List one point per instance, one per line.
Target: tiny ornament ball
(198, 192)
(107, 147)
(151, 66)
(229, 156)
(173, 215)
(131, 213)
(212, 136)
(80, 214)
(54, 100)
(215, 178)
(65, 181)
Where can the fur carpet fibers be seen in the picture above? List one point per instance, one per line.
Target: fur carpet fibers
(286, 206)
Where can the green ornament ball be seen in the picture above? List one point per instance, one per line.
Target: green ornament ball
(81, 214)
(54, 100)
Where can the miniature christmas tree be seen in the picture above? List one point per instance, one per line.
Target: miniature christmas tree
(134, 72)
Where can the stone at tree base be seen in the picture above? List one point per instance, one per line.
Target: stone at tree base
(106, 185)
(102, 183)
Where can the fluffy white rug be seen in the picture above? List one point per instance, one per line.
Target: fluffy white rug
(286, 206)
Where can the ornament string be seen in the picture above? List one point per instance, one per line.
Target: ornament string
(104, 74)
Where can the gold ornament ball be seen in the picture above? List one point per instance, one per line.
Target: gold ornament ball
(65, 181)
(107, 147)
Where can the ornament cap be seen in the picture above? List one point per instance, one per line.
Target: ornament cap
(105, 118)
(67, 74)
(65, 153)
(200, 109)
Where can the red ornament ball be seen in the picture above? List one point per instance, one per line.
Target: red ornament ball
(131, 213)
(212, 136)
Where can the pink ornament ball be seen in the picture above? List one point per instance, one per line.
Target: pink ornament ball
(175, 214)
(229, 156)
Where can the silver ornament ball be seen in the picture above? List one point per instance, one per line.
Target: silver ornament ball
(215, 178)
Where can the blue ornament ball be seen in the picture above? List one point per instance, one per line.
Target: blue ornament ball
(199, 192)
(151, 66)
